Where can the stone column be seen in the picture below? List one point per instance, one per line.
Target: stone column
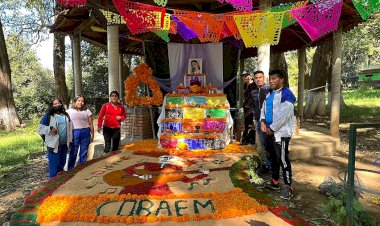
(263, 52)
(77, 65)
(336, 78)
(301, 81)
(121, 74)
(113, 58)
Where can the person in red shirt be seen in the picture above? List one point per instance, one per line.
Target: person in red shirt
(110, 117)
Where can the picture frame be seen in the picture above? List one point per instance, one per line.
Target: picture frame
(194, 66)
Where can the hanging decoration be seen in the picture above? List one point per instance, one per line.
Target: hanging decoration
(161, 2)
(185, 32)
(230, 22)
(225, 32)
(259, 29)
(71, 3)
(173, 27)
(315, 23)
(366, 7)
(324, 5)
(241, 5)
(208, 27)
(139, 17)
(288, 17)
(112, 18)
(164, 32)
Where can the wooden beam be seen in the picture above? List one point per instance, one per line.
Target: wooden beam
(85, 24)
(95, 43)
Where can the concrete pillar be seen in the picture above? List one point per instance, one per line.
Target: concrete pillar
(77, 65)
(121, 74)
(301, 81)
(263, 52)
(336, 78)
(240, 84)
(113, 58)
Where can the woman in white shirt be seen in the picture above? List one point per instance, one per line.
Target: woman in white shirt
(83, 133)
(55, 129)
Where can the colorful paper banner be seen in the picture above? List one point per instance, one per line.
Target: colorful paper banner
(241, 5)
(366, 7)
(141, 18)
(186, 33)
(112, 18)
(259, 29)
(315, 23)
(208, 27)
(71, 3)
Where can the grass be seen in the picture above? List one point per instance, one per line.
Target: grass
(363, 105)
(19, 146)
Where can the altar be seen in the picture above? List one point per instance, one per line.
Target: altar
(195, 117)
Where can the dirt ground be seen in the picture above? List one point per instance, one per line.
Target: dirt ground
(307, 175)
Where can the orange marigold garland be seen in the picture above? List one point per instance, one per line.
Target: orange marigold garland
(230, 204)
(142, 73)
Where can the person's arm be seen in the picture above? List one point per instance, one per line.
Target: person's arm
(100, 117)
(283, 117)
(91, 123)
(44, 128)
(123, 113)
(262, 118)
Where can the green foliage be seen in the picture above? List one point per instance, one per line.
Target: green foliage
(362, 106)
(19, 146)
(336, 210)
(33, 85)
(361, 47)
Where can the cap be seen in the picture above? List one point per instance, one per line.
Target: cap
(245, 73)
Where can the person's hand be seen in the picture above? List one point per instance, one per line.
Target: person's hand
(53, 131)
(99, 129)
(118, 118)
(269, 132)
(92, 138)
(263, 127)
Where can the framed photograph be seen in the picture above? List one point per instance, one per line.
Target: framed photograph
(195, 66)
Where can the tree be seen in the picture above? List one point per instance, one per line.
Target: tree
(59, 63)
(33, 86)
(278, 62)
(22, 18)
(8, 115)
(321, 68)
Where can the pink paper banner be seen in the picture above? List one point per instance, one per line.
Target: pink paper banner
(241, 5)
(320, 18)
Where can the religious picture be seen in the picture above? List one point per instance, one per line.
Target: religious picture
(195, 66)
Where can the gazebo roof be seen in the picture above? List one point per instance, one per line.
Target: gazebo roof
(82, 20)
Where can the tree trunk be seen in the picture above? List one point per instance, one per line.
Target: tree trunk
(59, 64)
(278, 61)
(321, 68)
(59, 68)
(8, 114)
(343, 105)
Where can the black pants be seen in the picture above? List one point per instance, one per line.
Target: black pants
(249, 134)
(279, 156)
(111, 134)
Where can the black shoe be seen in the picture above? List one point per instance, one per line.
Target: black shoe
(286, 193)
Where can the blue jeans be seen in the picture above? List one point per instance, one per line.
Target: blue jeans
(57, 160)
(81, 141)
(262, 137)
